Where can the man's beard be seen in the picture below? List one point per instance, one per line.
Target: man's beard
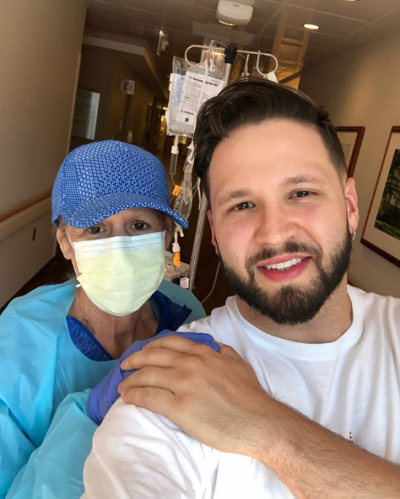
(292, 305)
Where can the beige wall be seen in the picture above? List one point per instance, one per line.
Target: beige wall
(361, 88)
(39, 58)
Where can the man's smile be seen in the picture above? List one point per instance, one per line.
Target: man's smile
(286, 265)
(284, 270)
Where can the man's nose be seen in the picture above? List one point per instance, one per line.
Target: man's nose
(276, 224)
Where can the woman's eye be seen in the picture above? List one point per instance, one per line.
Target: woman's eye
(94, 230)
(140, 226)
(243, 206)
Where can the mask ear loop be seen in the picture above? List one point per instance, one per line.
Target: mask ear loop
(69, 239)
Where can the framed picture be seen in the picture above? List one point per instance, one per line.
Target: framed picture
(382, 228)
(351, 138)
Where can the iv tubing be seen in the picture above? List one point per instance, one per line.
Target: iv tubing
(174, 158)
(213, 285)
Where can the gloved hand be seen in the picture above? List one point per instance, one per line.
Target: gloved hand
(103, 395)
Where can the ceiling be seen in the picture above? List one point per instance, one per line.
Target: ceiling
(276, 27)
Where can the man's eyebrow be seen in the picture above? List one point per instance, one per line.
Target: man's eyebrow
(303, 179)
(297, 179)
(232, 195)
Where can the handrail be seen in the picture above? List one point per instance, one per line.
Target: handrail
(23, 207)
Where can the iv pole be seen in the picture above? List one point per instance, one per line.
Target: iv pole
(230, 55)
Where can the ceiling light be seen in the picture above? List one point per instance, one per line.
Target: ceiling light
(351, 0)
(313, 27)
(225, 23)
(233, 13)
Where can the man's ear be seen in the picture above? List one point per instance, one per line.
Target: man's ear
(213, 236)
(353, 214)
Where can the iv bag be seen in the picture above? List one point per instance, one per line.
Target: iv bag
(201, 82)
(177, 77)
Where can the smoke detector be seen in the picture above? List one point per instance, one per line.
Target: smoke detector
(234, 13)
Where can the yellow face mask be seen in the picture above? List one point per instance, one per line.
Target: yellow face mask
(119, 274)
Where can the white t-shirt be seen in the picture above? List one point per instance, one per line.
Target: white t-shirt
(351, 386)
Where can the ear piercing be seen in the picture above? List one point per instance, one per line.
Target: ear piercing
(353, 236)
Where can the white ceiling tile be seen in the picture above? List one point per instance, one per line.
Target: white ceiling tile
(93, 28)
(141, 4)
(185, 2)
(392, 19)
(267, 11)
(204, 15)
(297, 33)
(187, 38)
(321, 54)
(254, 26)
(107, 9)
(321, 41)
(181, 45)
(345, 45)
(176, 24)
(181, 11)
(310, 62)
(264, 44)
(268, 30)
(316, 39)
(142, 17)
(365, 10)
(370, 32)
(343, 25)
(222, 33)
(159, 6)
(108, 21)
(206, 4)
(329, 24)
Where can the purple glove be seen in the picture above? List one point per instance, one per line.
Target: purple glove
(102, 397)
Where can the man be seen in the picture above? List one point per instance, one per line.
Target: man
(305, 400)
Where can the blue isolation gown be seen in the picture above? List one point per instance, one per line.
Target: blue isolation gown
(43, 360)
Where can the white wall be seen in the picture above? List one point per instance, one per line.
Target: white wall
(361, 88)
(39, 62)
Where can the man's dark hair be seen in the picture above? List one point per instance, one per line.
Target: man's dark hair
(250, 102)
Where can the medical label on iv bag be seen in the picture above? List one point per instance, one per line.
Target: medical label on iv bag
(191, 91)
(176, 84)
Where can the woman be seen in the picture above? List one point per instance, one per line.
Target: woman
(112, 218)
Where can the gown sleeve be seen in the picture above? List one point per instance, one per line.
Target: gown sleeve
(55, 469)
